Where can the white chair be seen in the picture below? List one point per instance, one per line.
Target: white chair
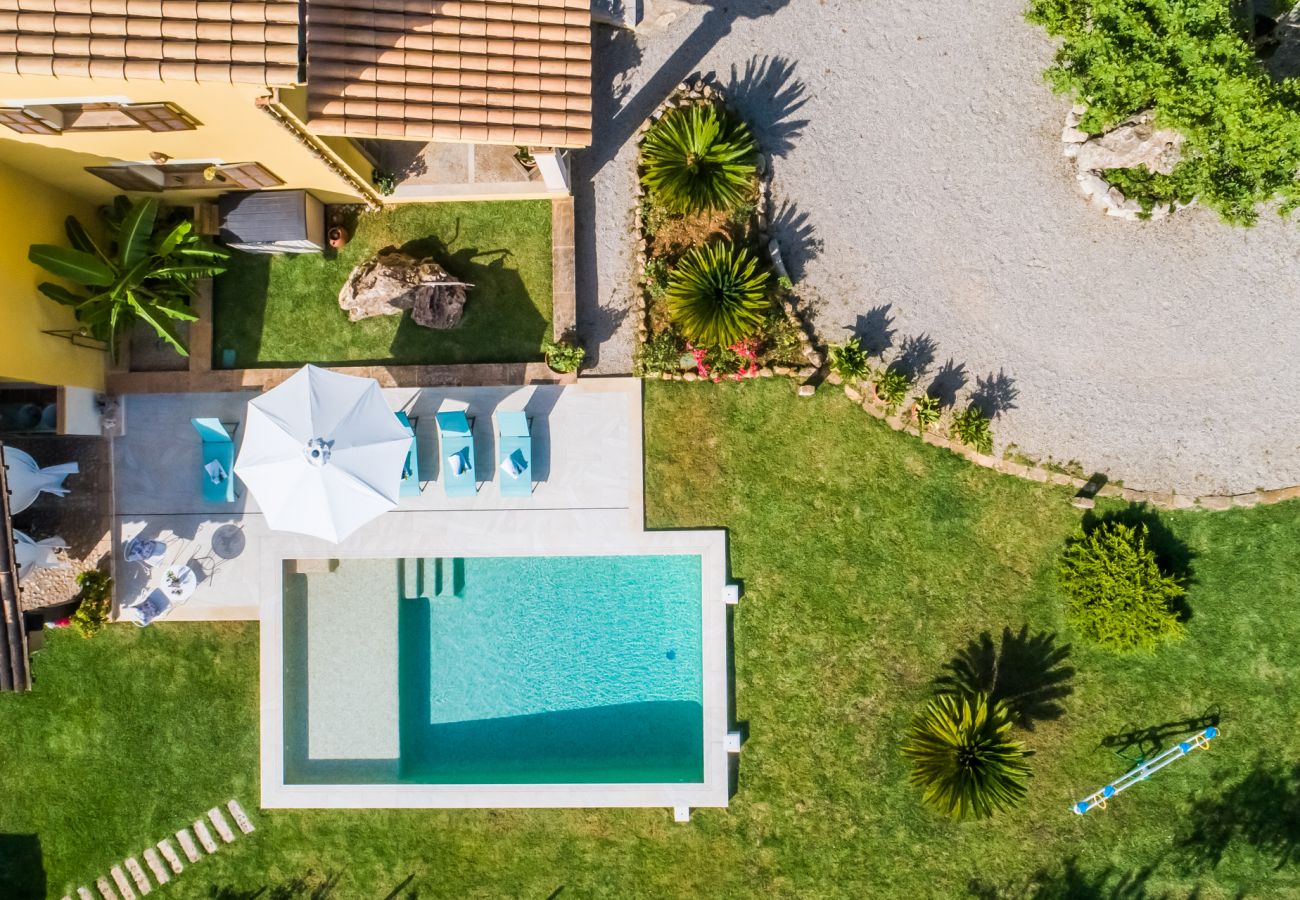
(148, 553)
(147, 610)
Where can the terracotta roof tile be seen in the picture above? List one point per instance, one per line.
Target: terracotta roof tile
(503, 71)
(245, 41)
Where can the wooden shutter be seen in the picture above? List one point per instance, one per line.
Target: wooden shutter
(20, 120)
(128, 178)
(251, 175)
(160, 116)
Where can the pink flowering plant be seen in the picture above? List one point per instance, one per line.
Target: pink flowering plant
(736, 362)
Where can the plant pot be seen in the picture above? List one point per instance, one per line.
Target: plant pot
(338, 237)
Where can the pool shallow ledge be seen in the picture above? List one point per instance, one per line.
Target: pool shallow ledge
(712, 791)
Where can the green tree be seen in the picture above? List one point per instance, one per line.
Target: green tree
(147, 273)
(964, 758)
(1192, 65)
(1116, 594)
(717, 295)
(698, 158)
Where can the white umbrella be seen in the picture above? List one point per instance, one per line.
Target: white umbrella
(323, 453)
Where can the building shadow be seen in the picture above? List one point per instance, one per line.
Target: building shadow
(874, 329)
(796, 236)
(22, 867)
(1026, 672)
(767, 94)
(1070, 882)
(1145, 742)
(947, 383)
(1261, 811)
(239, 297)
(995, 394)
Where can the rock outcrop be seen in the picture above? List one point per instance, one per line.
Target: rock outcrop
(394, 282)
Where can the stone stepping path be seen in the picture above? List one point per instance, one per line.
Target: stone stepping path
(130, 881)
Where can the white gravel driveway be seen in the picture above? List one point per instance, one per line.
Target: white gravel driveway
(926, 201)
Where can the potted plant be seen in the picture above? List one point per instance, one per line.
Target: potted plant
(891, 387)
(849, 362)
(564, 355)
(925, 412)
(525, 159)
(971, 427)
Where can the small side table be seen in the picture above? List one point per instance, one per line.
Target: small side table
(178, 583)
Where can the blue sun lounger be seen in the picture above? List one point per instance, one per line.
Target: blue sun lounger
(514, 454)
(456, 437)
(217, 474)
(411, 467)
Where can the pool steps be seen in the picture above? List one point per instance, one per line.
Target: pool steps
(118, 886)
(422, 579)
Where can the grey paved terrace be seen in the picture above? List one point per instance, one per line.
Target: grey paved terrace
(922, 199)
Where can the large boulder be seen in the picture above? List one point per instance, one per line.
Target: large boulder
(1135, 143)
(394, 282)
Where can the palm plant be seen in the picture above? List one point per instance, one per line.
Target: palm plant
(928, 409)
(717, 295)
(963, 757)
(698, 158)
(148, 272)
(892, 386)
(971, 427)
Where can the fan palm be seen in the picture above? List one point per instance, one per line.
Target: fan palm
(148, 273)
(963, 756)
(717, 296)
(698, 158)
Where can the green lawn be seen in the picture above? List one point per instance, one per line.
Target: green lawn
(869, 561)
(283, 310)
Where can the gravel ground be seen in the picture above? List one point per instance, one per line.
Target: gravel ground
(923, 201)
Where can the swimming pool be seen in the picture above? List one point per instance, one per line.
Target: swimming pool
(494, 670)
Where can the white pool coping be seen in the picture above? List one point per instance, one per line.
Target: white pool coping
(713, 791)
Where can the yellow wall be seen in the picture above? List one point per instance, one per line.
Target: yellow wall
(231, 129)
(34, 212)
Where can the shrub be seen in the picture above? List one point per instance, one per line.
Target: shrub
(849, 361)
(148, 272)
(963, 757)
(891, 387)
(1191, 63)
(661, 353)
(782, 341)
(698, 158)
(971, 427)
(384, 181)
(927, 411)
(656, 277)
(564, 355)
(96, 600)
(1116, 594)
(717, 296)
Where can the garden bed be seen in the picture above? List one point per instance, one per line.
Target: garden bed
(284, 311)
(779, 342)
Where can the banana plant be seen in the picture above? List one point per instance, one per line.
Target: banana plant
(148, 273)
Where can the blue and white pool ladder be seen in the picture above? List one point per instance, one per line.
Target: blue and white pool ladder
(1144, 771)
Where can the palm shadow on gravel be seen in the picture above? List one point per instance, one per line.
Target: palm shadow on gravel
(767, 94)
(995, 394)
(875, 329)
(947, 383)
(1026, 672)
(916, 354)
(795, 235)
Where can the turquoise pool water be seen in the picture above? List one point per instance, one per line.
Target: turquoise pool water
(508, 670)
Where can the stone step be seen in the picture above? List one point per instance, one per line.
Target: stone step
(187, 844)
(219, 822)
(105, 889)
(141, 880)
(241, 818)
(169, 853)
(119, 878)
(84, 894)
(155, 864)
(204, 836)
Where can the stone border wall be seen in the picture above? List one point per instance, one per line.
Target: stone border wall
(697, 90)
(1045, 475)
